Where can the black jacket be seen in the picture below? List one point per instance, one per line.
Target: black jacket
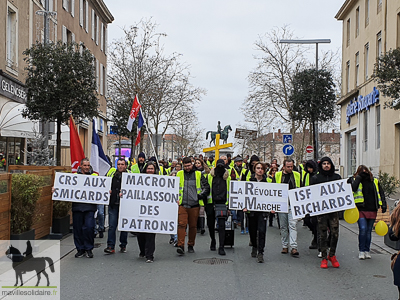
(84, 206)
(371, 200)
(325, 176)
(115, 189)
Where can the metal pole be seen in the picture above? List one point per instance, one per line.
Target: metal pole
(46, 124)
(316, 133)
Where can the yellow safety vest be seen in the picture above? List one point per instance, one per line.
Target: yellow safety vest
(181, 176)
(112, 171)
(359, 197)
(209, 197)
(278, 178)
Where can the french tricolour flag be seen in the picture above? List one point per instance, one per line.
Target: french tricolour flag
(98, 159)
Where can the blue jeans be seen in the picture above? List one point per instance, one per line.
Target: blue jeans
(113, 214)
(364, 235)
(100, 219)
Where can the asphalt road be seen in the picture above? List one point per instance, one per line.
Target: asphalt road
(126, 276)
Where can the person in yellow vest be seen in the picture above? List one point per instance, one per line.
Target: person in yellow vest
(193, 190)
(201, 166)
(311, 169)
(368, 196)
(210, 161)
(326, 173)
(238, 165)
(231, 163)
(113, 208)
(217, 201)
(288, 224)
(246, 173)
(141, 163)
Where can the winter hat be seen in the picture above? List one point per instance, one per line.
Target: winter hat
(141, 154)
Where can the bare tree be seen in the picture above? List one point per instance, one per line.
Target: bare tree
(139, 66)
(271, 81)
(188, 136)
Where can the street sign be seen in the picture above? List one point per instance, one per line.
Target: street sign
(241, 133)
(309, 149)
(288, 150)
(287, 138)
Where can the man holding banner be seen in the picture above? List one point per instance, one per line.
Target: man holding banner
(83, 218)
(328, 220)
(193, 190)
(288, 224)
(113, 208)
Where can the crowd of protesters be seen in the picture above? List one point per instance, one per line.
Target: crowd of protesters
(203, 203)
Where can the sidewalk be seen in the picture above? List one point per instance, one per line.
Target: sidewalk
(377, 240)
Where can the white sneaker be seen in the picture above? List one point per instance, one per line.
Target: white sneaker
(368, 254)
(320, 254)
(361, 255)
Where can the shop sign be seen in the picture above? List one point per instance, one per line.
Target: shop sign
(12, 90)
(362, 103)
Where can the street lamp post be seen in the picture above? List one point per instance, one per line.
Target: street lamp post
(316, 42)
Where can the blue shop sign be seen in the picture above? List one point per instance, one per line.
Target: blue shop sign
(358, 105)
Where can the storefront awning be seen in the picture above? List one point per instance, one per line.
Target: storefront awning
(12, 123)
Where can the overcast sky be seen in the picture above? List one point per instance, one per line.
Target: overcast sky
(216, 37)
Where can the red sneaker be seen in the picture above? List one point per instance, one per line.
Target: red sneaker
(334, 261)
(324, 264)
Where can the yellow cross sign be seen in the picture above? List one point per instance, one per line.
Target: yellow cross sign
(217, 147)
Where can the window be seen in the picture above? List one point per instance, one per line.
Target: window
(101, 36)
(105, 39)
(12, 41)
(348, 76)
(348, 32)
(366, 54)
(86, 15)
(351, 152)
(366, 130)
(69, 6)
(97, 75)
(105, 81)
(81, 14)
(101, 79)
(379, 8)
(366, 13)
(378, 126)
(93, 21)
(357, 63)
(95, 27)
(67, 35)
(357, 21)
(379, 44)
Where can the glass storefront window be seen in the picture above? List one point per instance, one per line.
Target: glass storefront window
(351, 152)
(11, 152)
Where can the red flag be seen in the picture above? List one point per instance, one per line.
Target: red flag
(75, 145)
(134, 111)
(137, 138)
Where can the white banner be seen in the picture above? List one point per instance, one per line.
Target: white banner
(82, 188)
(321, 198)
(258, 196)
(149, 203)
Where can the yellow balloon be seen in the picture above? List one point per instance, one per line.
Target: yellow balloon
(351, 215)
(381, 228)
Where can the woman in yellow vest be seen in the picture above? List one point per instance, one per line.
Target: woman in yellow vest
(368, 196)
(205, 170)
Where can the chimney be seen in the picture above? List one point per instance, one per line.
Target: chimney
(279, 131)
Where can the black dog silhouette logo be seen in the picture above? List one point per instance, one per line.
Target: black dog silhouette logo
(25, 262)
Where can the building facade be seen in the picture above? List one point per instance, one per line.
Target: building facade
(370, 133)
(22, 23)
